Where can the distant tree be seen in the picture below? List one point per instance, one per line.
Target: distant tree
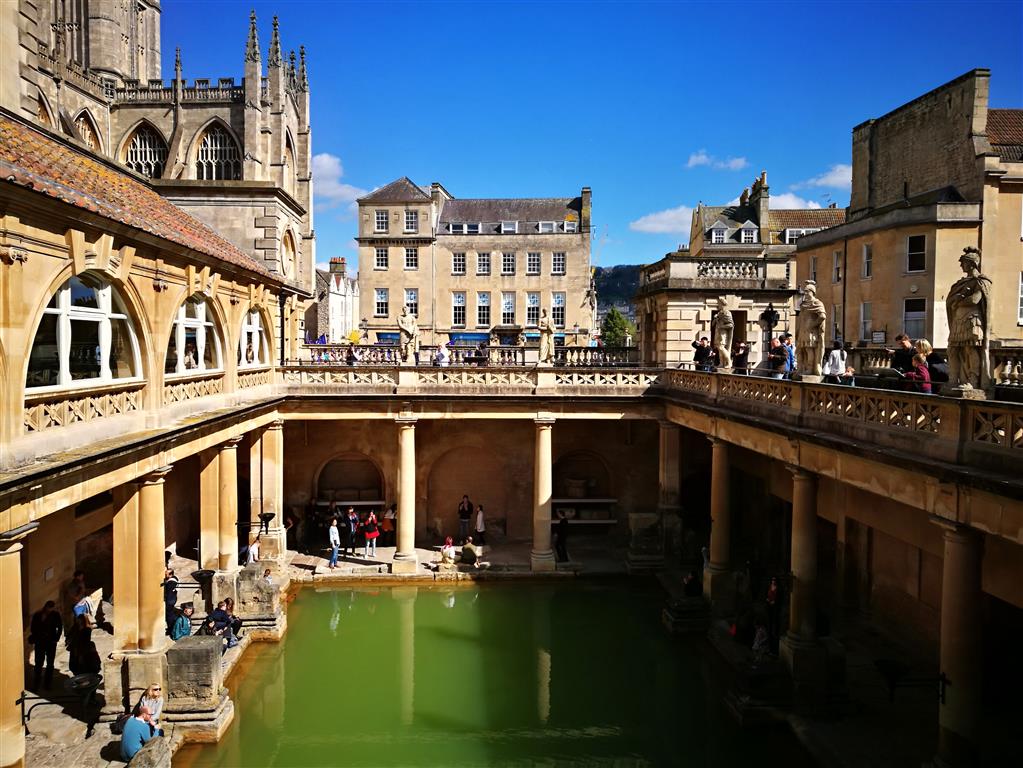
(615, 328)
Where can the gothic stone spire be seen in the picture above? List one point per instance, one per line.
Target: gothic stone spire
(274, 57)
(291, 68)
(303, 73)
(252, 46)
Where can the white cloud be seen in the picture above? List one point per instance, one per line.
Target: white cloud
(671, 221)
(789, 200)
(838, 176)
(328, 189)
(701, 157)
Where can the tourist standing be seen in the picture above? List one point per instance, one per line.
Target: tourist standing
(778, 357)
(371, 531)
(335, 543)
(481, 526)
(937, 366)
(253, 554)
(920, 375)
(902, 355)
(464, 516)
(170, 597)
(44, 632)
(351, 530)
(835, 364)
(389, 526)
(137, 731)
(740, 359)
(790, 350)
(702, 353)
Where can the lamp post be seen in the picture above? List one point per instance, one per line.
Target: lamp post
(768, 321)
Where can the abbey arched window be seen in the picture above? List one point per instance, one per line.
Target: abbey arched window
(290, 169)
(218, 156)
(194, 345)
(146, 152)
(288, 255)
(87, 130)
(42, 113)
(253, 349)
(85, 335)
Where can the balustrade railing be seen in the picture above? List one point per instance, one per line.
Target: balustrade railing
(730, 269)
(592, 357)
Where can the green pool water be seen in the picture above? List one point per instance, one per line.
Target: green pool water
(544, 674)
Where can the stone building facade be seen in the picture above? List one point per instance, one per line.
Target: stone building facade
(472, 266)
(235, 155)
(334, 313)
(745, 252)
(939, 174)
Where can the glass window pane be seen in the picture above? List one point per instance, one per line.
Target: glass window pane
(209, 354)
(43, 361)
(122, 356)
(191, 347)
(171, 363)
(192, 309)
(84, 359)
(83, 293)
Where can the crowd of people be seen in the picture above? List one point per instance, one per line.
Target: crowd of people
(345, 530)
(913, 361)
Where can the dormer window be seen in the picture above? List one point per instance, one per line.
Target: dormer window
(509, 227)
(791, 235)
(717, 235)
(749, 236)
(472, 229)
(458, 229)
(547, 227)
(571, 226)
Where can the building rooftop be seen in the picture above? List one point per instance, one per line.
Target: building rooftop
(1005, 132)
(398, 191)
(34, 160)
(511, 209)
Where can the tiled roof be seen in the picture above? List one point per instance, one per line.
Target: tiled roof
(399, 191)
(513, 209)
(805, 218)
(31, 159)
(1005, 132)
(734, 216)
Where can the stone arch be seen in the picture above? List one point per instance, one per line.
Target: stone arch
(289, 253)
(475, 470)
(290, 165)
(152, 158)
(43, 112)
(196, 144)
(87, 130)
(228, 340)
(582, 474)
(268, 331)
(349, 476)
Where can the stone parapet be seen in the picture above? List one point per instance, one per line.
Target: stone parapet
(197, 702)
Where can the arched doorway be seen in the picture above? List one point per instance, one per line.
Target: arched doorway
(352, 479)
(480, 474)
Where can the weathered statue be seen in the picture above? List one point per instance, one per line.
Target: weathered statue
(520, 340)
(546, 328)
(721, 329)
(408, 330)
(590, 299)
(810, 325)
(969, 325)
(495, 340)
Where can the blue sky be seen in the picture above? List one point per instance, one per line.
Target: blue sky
(656, 106)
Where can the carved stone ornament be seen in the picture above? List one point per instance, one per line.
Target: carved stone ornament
(10, 254)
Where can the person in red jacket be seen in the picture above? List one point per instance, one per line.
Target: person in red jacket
(920, 374)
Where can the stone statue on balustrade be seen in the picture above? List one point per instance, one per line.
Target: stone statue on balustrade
(969, 329)
(810, 325)
(722, 327)
(546, 328)
(408, 330)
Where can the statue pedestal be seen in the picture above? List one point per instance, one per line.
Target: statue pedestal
(724, 370)
(964, 392)
(809, 378)
(542, 364)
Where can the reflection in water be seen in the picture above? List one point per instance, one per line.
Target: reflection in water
(510, 675)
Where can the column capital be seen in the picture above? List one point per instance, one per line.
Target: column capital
(406, 421)
(544, 420)
(716, 441)
(952, 529)
(231, 442)
(668, 424)
(156, 477)
(799, 473)
(9, 540)
(276, 425)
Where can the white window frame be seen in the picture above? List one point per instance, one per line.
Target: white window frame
(559, 260)
(458, 263)
(507, 316)
(253, 332)
(472, 228)
(381, 302)
(411, 259)
(836, 266)
(380, 258)
(571, 226)
(813, 268)
(458, 303)
(458, 229)
(717, 235)
(412, 301)
(534, 262)
(381, 221)
(558, 301)
(411, 220)
(749, 236)
(922, 319)
(483, 309)
(547, 227)
(866, 320)
(924, 267)
(205, 332)
(867, 261)
(836, 322)
(483, 263)
(509, 227)
(532, 309)
(508, 257)
(110, 308)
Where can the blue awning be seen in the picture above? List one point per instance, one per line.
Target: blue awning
(386, 338)
(468, 338)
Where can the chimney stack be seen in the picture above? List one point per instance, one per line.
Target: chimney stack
(337, 265)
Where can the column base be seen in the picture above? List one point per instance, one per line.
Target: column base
(405, 564)
(127, 674)
(542, 561)
(196, 700)
(719, 588)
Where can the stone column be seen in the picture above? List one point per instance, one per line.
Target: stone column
(718, 582)
(152, 545)
(12, 655)
(961, 647)
(228, 472)
(542, 556)
(274, 545)
(405, 558)
(209, 509)
(255, 483)
(126, 568)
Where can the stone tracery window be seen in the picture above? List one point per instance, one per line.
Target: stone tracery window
(84, 335)
(194, 345)
(253, 347)
(288, 251)
(42, 113)
(290, 169)
(87, 130)
(146, 152)
(218, 156)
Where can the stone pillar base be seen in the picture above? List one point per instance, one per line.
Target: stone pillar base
(126, 675)
(405, 565)
(719, 588)
(196, 700)
(807, 662)
(965, 392)
(542, 562)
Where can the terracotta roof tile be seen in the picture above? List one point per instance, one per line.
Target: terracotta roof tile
(31, 159)
(1005, 126)
(805, 218)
